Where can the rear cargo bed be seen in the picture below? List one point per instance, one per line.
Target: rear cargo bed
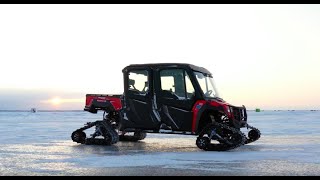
(95, 102)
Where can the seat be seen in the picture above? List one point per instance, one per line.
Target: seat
(131, 84)
(146, 87)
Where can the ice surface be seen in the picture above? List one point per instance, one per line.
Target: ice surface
(39, 144)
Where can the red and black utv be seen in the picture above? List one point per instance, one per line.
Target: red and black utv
(167, 98)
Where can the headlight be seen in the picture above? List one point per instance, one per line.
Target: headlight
(228, 109)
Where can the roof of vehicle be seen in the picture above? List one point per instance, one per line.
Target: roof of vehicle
(156, 65)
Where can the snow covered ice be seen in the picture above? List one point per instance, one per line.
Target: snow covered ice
(39, 144)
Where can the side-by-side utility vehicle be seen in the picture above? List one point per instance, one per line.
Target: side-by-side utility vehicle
(167, 98)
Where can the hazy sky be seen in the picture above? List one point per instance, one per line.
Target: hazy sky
(265, 56)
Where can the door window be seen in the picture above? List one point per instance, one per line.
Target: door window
(189, 87)
(175, 83)
(138, 81)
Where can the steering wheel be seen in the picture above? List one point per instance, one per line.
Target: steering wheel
(208, 93)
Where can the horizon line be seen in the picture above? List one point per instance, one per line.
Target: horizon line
(78, 110)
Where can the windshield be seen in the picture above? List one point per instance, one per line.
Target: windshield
(207, 85)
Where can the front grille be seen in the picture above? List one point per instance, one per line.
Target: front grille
(239, 113)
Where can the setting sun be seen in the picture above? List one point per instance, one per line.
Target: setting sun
(60, 101)
(56, 101)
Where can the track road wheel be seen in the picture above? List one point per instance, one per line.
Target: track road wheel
(254, 134)
(203, 142)
(140, 135)
(79, 137)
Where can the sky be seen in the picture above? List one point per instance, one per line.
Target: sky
(261, 56)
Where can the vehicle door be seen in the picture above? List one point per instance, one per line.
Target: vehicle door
(175, 98)
(138, 95)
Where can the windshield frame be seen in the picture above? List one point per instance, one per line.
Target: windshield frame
(209, 85)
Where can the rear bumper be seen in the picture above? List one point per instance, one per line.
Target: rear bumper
(91, 109)
(96, 105)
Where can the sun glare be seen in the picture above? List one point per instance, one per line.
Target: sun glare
(56, 101)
